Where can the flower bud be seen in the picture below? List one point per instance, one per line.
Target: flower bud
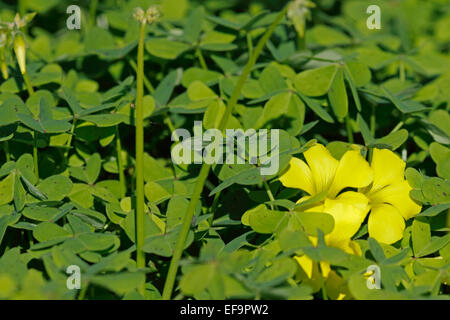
(151, 15)
(20, 51)
(3, 65)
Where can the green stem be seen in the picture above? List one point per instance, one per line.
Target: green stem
(69, 140)
(198, 188)
(28, 83)
(147, 83)
(123, 183)
(83, 292)
(402, 71)
(349, 129)
(169, 122)
(139, 118)
(34, 134)
(373, 121)
(249, 44)
(92, 12)
(269, 193)
(199, 54)
(397, 127)
(214, 207)
(35, 155)
(6, 148)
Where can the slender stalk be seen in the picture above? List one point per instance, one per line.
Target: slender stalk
(26, 79)
(373, 122)
(69, 140)
(169, 122)
(198, 188)
(83, 291)
(269, 193)
(249, 44)
(349, 129)
(199, 54)
(402, 71)
(139, 118)
(92, 12)
(397, 127)
(214, 207)
(6, 148)
(123, 183)
(34, 134)
(147, 83)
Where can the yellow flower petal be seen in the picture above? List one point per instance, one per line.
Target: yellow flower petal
(387, 167)
(309, 273)
(349, 211)
(386, 224)
(306, 264)
(353, 171)
(398, 196)
(298, 176)
(325, 268)
(323, 166)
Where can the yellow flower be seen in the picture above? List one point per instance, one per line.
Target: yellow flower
(323, 173)
(381, 190)
(389, 197)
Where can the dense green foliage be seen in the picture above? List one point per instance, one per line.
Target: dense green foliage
(67, 138)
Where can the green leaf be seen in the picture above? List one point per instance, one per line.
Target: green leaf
(120, 283)
(365, 131)
(311, 222)
(434, 245)
(6, 221)
(376, 250)
(414, 177)
(337, 95)
(166, 49)
(93, 167)
(403, 106)
(193, 25)
(436, 190)
(392, 141)
(262, 220)
(277, 273)
(421, 234)
(352, 85)
(317, 108)
(47, 231)
(247, 177)
(434, 210)
(7, 189)
(165, 88)
(175, 211)
(271, 80)
(105, 120)
(315, 82)
(164, 244)
(40, 213)
(56, 187)
(288, 109)
(197, 279)
(199, 91)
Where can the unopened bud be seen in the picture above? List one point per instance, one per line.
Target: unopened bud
(3, 65)
(151, 15)
(20, 51)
